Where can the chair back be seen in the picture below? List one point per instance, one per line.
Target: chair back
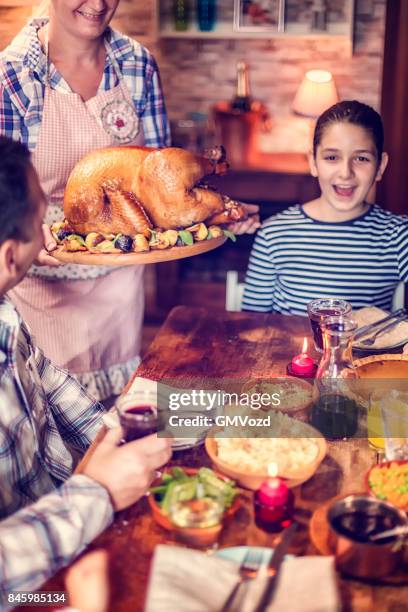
(234, 292)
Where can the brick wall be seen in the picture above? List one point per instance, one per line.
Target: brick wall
(196, 74)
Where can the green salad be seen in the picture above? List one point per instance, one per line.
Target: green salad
(178, 486)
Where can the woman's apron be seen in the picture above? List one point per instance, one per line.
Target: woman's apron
(87, 319)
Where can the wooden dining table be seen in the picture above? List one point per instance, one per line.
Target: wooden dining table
(197, 344)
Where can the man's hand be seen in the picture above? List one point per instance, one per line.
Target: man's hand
(87, 582)
(44, 258)
(127, 471)
(250, 225)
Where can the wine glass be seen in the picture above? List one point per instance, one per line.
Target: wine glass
(137, 412)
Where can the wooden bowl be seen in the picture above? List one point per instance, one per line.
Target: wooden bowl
(194, 536)
(252, 480)
(296, 409)
(382, 366)
(378, 368)
(385, 464)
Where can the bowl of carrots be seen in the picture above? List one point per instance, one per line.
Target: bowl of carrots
(388, 481)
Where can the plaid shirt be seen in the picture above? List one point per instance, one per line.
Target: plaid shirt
(23, 70)
(46, 419)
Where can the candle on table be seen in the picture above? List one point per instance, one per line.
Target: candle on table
(273, 503)
(302, 365)
(273, 492)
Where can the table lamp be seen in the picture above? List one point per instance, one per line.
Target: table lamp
(316, 93)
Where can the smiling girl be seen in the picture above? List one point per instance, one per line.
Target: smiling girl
(338, 245)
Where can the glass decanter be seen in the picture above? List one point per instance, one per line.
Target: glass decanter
(335, 410)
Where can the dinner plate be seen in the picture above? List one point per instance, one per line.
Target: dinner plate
(180, 444)
(237, 553)
(369, 350)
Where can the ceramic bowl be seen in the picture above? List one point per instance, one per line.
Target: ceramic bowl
(386, 465)
(197, 537)
(289, 387)
(253, 480)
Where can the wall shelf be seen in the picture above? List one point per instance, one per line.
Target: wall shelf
(224, 30)
(341, 30)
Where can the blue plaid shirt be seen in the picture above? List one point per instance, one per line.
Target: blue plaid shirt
(23, 71)
(46, 421)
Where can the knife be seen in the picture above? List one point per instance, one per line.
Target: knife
(275, 564)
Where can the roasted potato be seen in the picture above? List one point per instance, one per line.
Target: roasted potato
(107, 246)
(215, 231)
(159, 241)
(140, 243)
(93, 239)
(172, 236)
(199, 231)
(74, 242)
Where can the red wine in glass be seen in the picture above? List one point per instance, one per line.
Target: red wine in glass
(138, 422)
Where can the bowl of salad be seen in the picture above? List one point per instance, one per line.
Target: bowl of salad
(193, 503)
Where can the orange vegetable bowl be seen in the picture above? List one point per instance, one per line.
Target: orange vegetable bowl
(194, 536)
(388, 481)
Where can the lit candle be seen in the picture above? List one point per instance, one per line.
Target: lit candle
(273, 492)
(273, 502)
(302, 365)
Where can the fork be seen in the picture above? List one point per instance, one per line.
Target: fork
(247, 571)
(370, 341)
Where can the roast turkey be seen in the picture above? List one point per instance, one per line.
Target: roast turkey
(130, 189)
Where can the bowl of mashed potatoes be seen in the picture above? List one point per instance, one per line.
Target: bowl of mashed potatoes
(293, 449)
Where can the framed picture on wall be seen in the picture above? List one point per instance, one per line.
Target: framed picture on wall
(259, 15)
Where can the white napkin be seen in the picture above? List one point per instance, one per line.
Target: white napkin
(190, 581)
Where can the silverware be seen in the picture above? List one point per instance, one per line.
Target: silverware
(275, 564)
(371, 340)
(397, 531)
(247, 571)
(363, 331)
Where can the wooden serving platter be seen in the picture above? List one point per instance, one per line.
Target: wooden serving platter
(130, 259)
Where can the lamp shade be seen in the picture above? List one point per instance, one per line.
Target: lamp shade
(316, 93)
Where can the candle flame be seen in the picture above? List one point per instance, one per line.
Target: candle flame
(273, 470)
(304, 347)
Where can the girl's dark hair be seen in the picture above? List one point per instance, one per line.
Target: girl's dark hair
(15, 205)
(357, 113)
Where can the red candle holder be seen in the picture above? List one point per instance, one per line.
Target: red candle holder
(302, 366)
(273, 505)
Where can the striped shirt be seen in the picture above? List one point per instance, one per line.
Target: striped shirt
(46, 421)
(296, 259)
(23, 69)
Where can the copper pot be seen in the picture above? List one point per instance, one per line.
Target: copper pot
(352, 520)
